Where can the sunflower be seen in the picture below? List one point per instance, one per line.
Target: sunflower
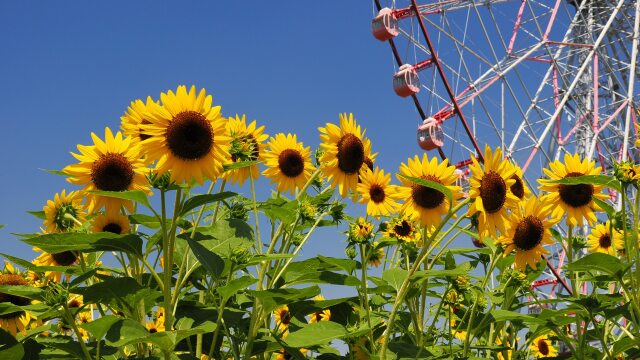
(380, 197)
(131, 122)
(541, 347)
(345, 151)
(247, 144)
(576, 200)
(84, 317)
(509, 345)
(282, 354)
(605, 239)
(16, 321)
(323, 315)
(489, 187)
(110, 165)
(288, 162)
(65, 258)
(457, 330)
(358, 350)
(75, 302)
(111, 222)
(404, 229)
(519, 188)
(66, 212)
(528, 231)
(422, 202)
(186, 136)
(283, 318)
(376, 256)
(155, 326)
(360, 231)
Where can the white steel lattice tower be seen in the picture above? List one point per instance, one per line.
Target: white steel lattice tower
(539, 78)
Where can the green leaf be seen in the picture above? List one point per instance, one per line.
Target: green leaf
(99, 327)
(395, 277)
(55, 172)
(223, 237)
(430, 184)
(24, 263)
(204, 199)
(29, 292)
(10, 348)
(598, 261)
(103, 241)
(64, 343)
(123, 291)
(280, 209)
(239, 165)
(625, 344)
(149, 221)
(9, 308)
(319, 333)
(462, 269)
(500, 315)
(274, 298)
(320, 277)
(235, 285)
(38, 214)
(210, 260)
(603, 180)
(125, 331)
(347, 265)
(138, 196)
(606, 207)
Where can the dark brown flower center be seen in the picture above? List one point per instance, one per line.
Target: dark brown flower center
(291, 163)
(426, 197)
(143, 136)
(73, 304)
(64, 258)
(112, 228)
(376, 192)
(517, 189)
(369, 163)
(543, 347)
(403, 229)
(153, 330)
(13, 280)
(575, 195)
(529, 233)
(112, 172)
(285, 317)
(318, 316)
(189, 135)
(605, 241)
(493, 192)
(350, 154)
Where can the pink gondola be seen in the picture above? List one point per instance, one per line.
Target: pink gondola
(430, 134)
(406, 81)
(385, 25)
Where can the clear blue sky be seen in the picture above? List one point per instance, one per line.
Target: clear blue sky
(70, 68)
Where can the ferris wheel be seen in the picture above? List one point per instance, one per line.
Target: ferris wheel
(539, 78)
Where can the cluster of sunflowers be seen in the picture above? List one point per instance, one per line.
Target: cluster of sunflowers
(243, 291)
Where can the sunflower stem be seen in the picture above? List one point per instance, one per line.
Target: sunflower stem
(255, 211)
(168, 317)
(72, 322)
(223, 303)
(405, 284)
(365, 292)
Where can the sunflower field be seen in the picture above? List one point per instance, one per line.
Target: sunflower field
(148, 255)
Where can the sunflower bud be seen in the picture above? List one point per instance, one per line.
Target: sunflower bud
(240, 256)
(238, 209)
(361, 231)
(351, 251)
(626, 172)
(337, 211)
(160, 182)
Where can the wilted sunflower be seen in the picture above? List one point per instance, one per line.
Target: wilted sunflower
(376, 256)
(527, 232)
(576, 200)
(288, 162)
(541, 347)
(323, 315)
(605, 239)
(131, 122)
(16, 321)
(519, 188)
(490, 191)
(404, 229)
(422, 202)
(345, 152)
(111, 222)
(186, 136)
(64, 213)
(109, 165)
(247, 144)
(375, 191)
(65, 258)
(283, 318)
